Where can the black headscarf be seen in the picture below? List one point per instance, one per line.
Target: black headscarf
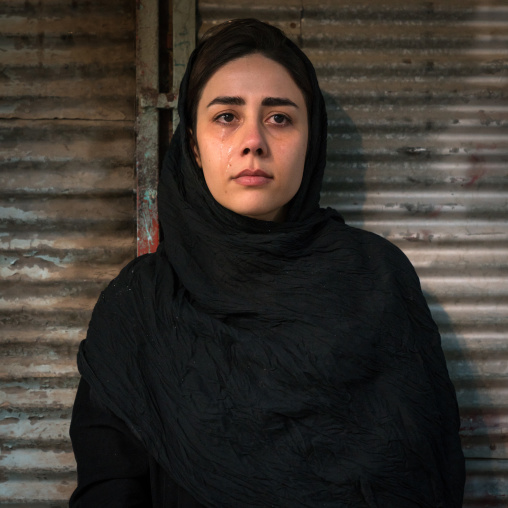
(289, 364)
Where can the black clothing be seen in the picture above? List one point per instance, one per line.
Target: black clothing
(267, 364)
(115, 471)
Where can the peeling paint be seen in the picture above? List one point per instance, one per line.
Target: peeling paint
(67, 218)
(10, 213)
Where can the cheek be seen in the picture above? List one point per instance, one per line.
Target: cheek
(216, 158)
(216, 166)
(214, 151)
(293, 153)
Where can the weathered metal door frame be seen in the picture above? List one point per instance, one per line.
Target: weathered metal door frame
(150, 101)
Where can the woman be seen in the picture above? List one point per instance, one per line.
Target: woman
(267, 354)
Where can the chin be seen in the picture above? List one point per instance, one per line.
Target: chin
(276, 215)
(265, 209)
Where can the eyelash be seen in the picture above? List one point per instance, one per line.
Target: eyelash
(221, 116)
(287, 120)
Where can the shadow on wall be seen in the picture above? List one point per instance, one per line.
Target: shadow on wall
(344, 183)
(439, 153)
(478, 423)
(344, 179)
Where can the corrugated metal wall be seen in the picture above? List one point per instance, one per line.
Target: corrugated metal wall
(426, 85)
(418, 108)
(67, 107)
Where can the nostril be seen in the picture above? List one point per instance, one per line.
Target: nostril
(246, 151)
(259, 151)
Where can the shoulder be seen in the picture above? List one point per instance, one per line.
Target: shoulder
(140, 278)
(137, 270)
(392, 273)
(372, 249)
(380, 261)
(127, 302)
(375, 244)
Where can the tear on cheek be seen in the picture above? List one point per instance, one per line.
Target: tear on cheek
(230, 156)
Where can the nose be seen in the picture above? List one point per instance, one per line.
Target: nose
(254, 140)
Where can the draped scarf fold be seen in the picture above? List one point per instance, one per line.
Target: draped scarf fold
(285, 365)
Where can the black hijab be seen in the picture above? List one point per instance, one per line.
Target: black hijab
(286, 365)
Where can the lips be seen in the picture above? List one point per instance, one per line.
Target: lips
(252, 177)
(252, 172)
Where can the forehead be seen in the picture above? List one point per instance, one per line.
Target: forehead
(252, 75)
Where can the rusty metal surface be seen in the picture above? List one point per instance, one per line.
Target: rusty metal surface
(67, 92)
(152, 99)
(417, 95)
(147, 124)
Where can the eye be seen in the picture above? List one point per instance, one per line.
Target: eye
(225, 118)
(280, 119)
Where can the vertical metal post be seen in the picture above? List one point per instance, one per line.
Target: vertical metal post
(150, 101)
(147, 140)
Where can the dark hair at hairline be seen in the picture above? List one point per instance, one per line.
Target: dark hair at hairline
(235, 39)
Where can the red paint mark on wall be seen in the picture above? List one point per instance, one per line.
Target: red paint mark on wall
(478, 170)
(475, 177)
(148, 222)
(435, 212)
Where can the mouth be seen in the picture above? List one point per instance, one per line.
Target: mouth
(252, 177)
(252, 172)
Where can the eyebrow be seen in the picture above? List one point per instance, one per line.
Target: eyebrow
(227, 101)
(238, 101)
(278, 101)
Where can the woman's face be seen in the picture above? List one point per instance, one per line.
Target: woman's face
(251, 134)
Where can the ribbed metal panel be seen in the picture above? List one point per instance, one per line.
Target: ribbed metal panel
(418, 152)
(67, 218)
